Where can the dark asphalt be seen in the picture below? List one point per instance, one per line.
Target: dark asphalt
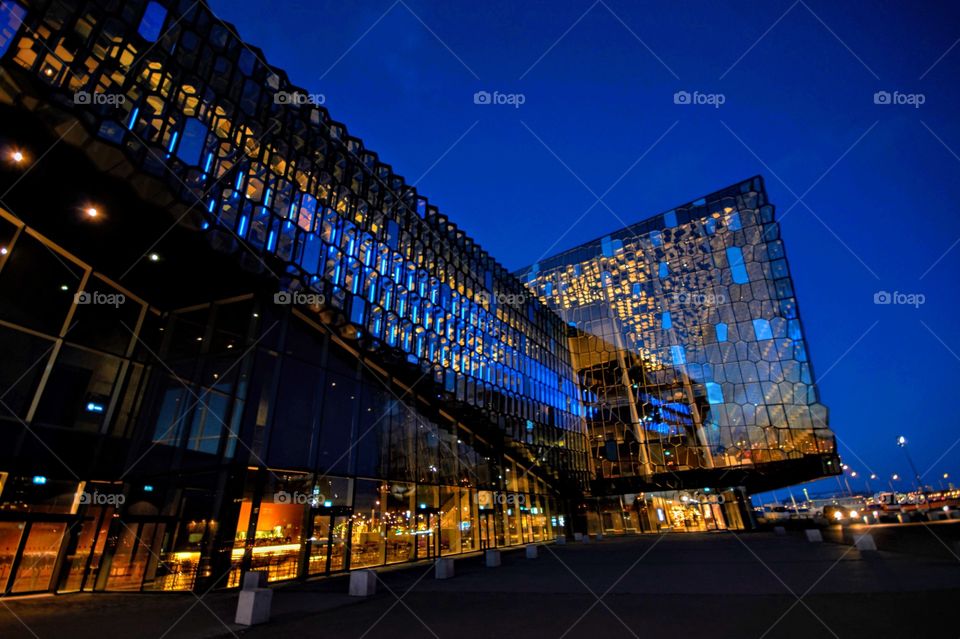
(704, 585)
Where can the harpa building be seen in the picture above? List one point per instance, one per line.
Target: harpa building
(235, 339)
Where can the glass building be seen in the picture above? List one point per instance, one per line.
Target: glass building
(688, 345)
(234, 339)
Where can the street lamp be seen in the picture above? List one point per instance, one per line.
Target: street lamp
(847, 481)
(902, 443)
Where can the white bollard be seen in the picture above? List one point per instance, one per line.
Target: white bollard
(779, 530)
(363, 583)
(533, 552)
(253, 607)
(585, 538)
(864, 542)
(443, 569)
(599, 536)
(813, 535)
(578, 536)
(492, 558)
(561, 540)
(253, 579)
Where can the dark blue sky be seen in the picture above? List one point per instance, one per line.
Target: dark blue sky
(599, 80)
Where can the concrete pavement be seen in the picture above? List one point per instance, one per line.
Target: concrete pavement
(696, 585)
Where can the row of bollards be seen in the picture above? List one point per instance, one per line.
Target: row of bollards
(863, 542)
(253, 606)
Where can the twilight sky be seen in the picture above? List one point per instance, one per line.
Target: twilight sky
(867, 192)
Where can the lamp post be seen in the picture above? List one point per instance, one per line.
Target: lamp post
(872, 476)
(945, 476)
(846, 480)
(902, 443)
(894, 477)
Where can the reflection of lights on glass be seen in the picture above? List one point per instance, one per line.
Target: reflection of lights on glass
(660, 514)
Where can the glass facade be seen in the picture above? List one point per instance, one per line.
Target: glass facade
(322, 372)
(688, 345)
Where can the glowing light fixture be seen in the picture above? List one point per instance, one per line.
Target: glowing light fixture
(91, 212)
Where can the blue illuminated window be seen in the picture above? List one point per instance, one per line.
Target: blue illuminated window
(152, 22)
(761, 327)
(678, 355)
(733, 221)
(191, 144)
(737, 267)
(11, 17)
(714, 393)
(721, 332)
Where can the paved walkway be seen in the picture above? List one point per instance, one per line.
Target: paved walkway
(710, 585)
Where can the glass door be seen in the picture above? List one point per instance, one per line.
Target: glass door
(135, 555)
(319, 545)
(84, 550)
(428, 524)
(339, 543)
(487, 532)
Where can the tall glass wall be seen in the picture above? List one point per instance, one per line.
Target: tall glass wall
(277, 174)
(689, 344)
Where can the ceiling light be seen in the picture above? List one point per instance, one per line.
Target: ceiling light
(92, 212)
